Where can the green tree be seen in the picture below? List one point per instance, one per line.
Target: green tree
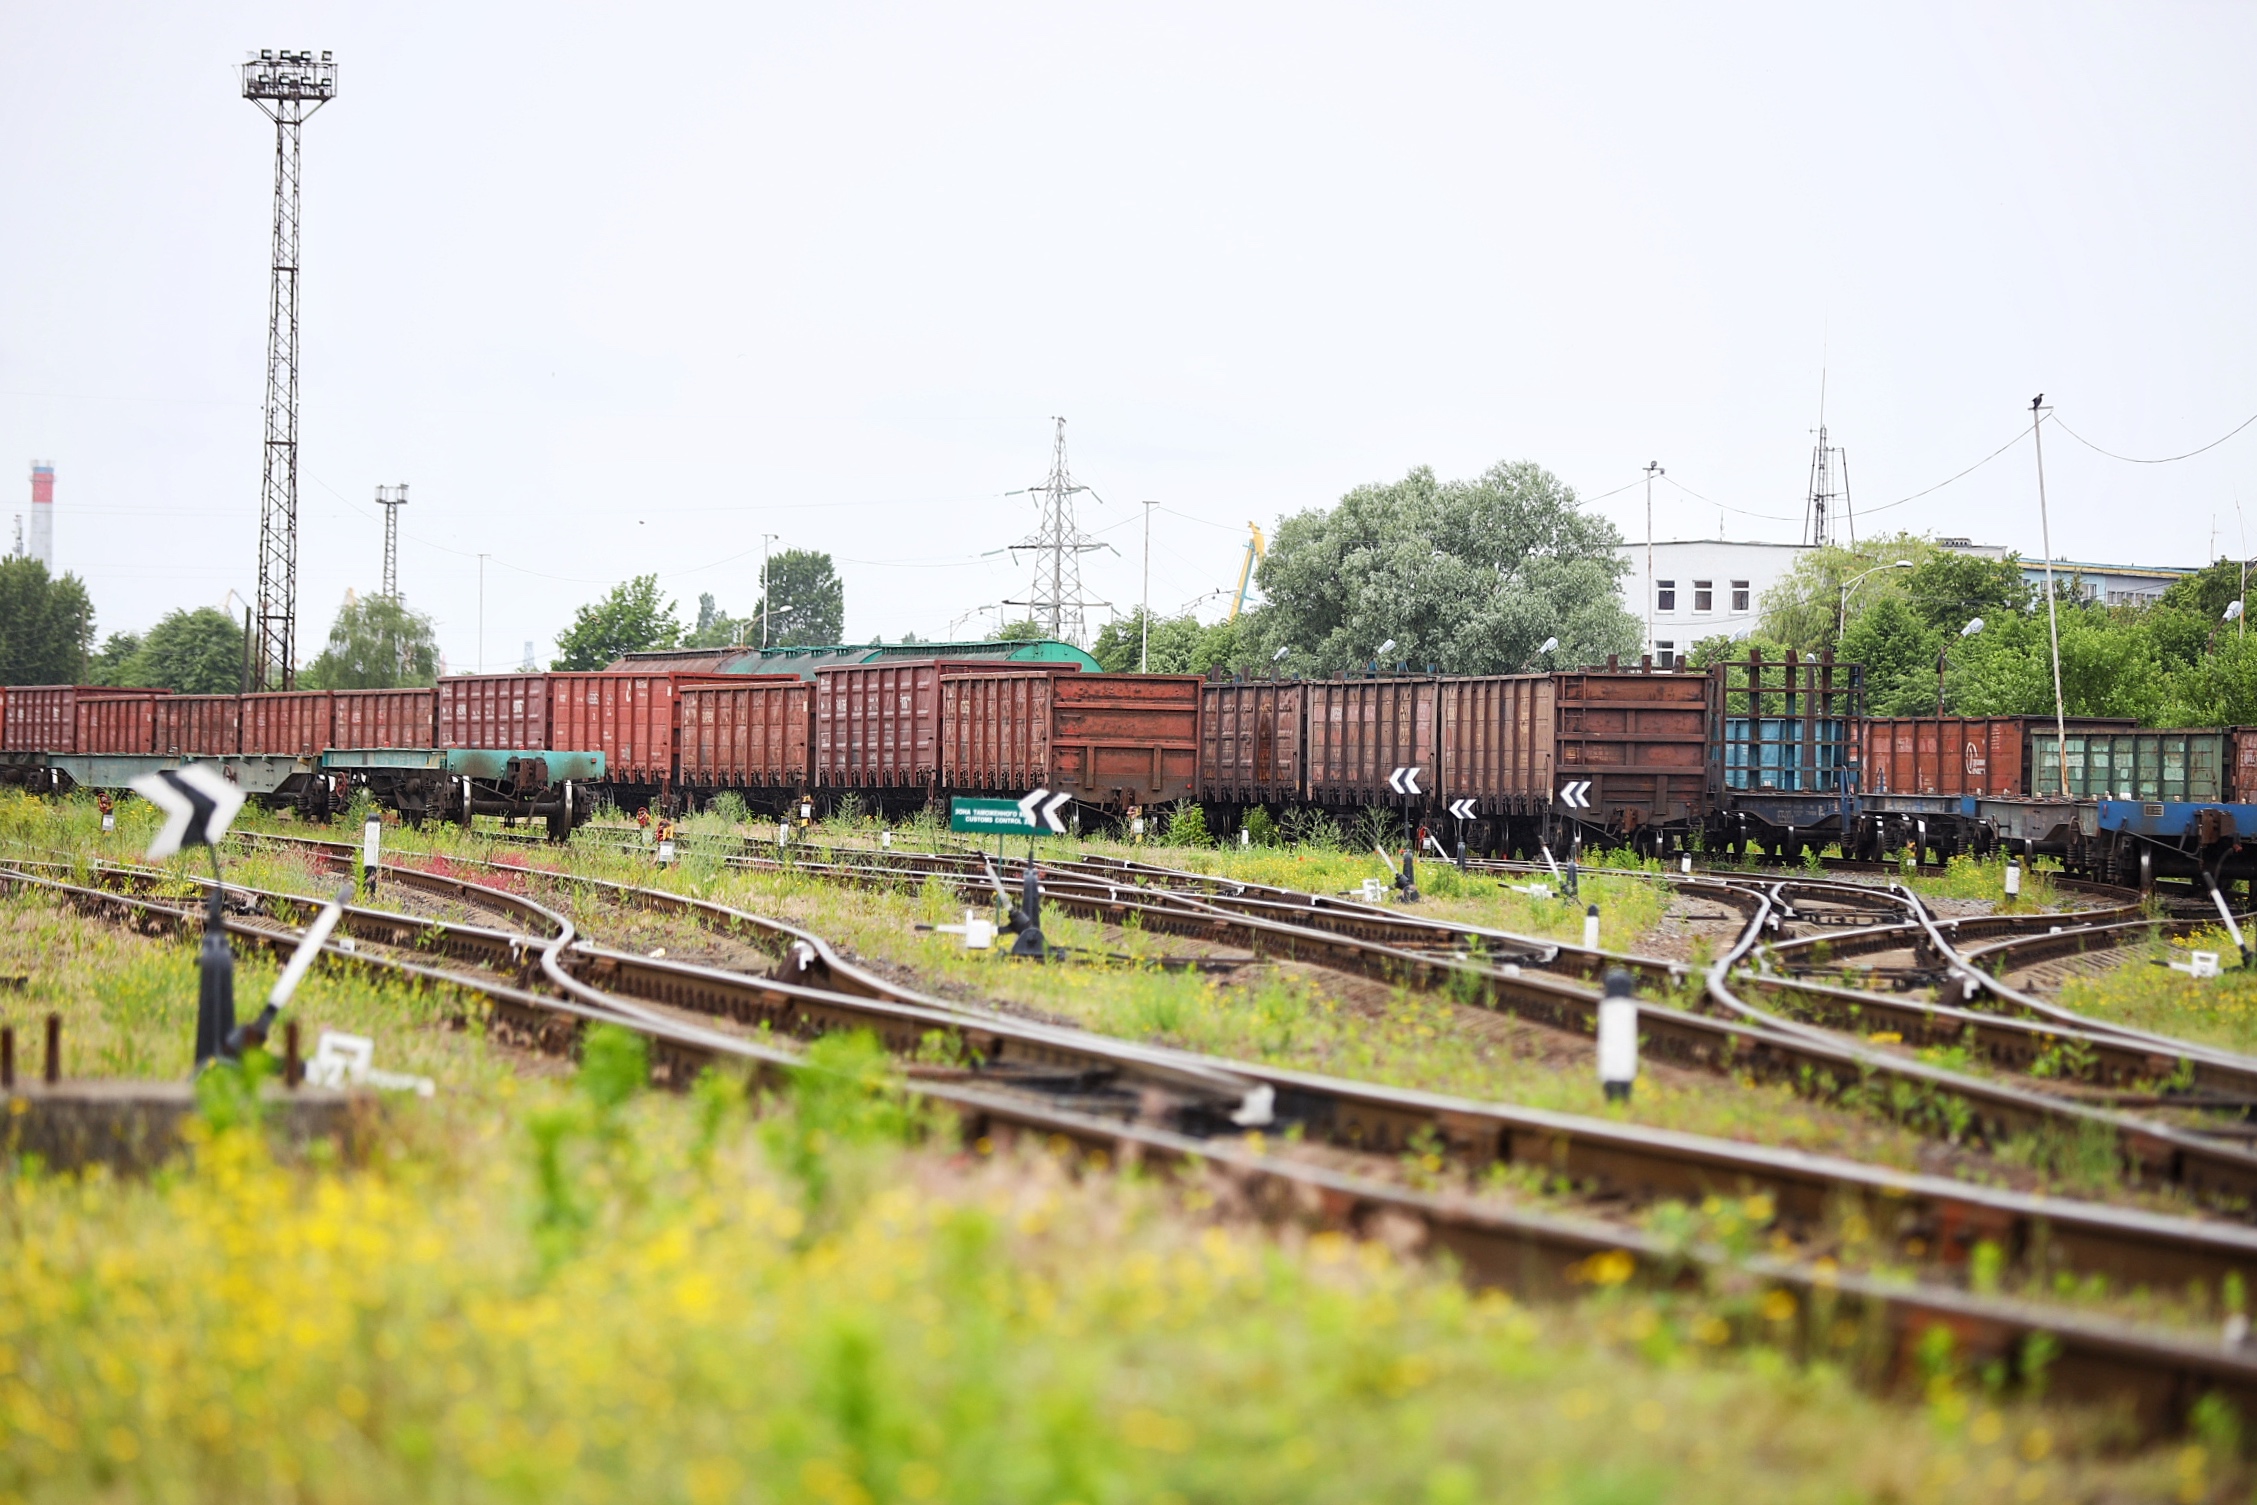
(46, 625)
(2218, 689)
(632, 619)
(805, 598)
(2207, 591)
(191, 652)
(1947, 589)
(1471, 576)
(376, 643)
(715, 628)
(110, 665)
(1803, 608)
(1025, 630)
(1898, 651)
(1174, 644)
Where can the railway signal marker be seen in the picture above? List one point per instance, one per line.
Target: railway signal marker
(1040, 811)
(1462, 809)
(199, 806)
(1405, 781)
(1576, 794)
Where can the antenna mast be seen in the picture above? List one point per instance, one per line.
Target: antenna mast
(1829, 482)
(1058, 544)
(287, 87)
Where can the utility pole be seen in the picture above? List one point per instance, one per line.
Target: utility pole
(392, 499)
(2052, 611)
(765, 540)
(1144, 616)
(287, 87)
(1653, 468)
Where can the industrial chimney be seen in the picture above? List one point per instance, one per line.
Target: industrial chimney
(43, 514)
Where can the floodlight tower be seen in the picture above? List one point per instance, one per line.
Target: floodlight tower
(287, 87)
(392, 499)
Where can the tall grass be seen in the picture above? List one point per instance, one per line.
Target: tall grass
(637, 1303)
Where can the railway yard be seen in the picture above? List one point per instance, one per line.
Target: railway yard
(1963, 1182)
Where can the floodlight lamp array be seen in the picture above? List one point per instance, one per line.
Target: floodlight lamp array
(287, 75)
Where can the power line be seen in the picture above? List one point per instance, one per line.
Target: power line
(2166, 459)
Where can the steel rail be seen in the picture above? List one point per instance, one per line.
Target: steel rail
(2211, 1066)
(2155, 1376)
(1385, 1119)
(1747, 1041)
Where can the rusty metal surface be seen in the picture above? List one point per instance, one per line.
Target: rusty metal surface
(117, 723)
(1361, 730)
(877, 726)
(291, 723)
(995, 731)
(44, 718)
(756, 732)
(1125, 739)
(629, 718)
(1643, 739)
(1250, 742)
(384, 718)
(506, 711)
(1498, 735)
(188, 725)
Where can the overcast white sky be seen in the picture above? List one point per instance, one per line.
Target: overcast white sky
(620, 289)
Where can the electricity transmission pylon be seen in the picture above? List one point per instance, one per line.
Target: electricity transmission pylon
(1058, 544)
(287, 87)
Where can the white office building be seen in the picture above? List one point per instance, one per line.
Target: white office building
(1699, 588)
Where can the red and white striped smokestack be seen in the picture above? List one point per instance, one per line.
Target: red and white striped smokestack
(43, 513)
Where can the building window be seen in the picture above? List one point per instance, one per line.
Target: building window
(1665, 654)
(1704, 595)
(1739, 595)
(1665, 595)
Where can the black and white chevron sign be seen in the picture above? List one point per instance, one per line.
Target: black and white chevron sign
(199, 806)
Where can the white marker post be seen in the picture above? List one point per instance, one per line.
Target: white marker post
(2013, 879)
(1618, 1037)
(1591, 928)
(371, 851)
(978, 930)
(1686, 867)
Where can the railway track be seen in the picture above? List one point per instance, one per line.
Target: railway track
(1535, 1252)
(1772, 1038)
(1718, 1031)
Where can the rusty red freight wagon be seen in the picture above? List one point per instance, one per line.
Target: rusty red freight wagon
(44, 718)
(495, 712)
(1498, 735)
(118, 723)
(287, 723)
(1250, 742)
(384, 718)
(629, 718)
(1640, 744)
(751, 733)
(190, 726)
(878, 726)
(1110, 740)
(1360, 731)
(1959, 755)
